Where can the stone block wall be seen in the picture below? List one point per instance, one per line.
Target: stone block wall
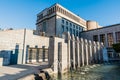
(11, 40)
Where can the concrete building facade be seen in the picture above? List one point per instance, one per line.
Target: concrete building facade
(108, 35)
(69, 41)
(56, 19)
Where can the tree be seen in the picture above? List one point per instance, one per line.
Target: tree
(116, 47)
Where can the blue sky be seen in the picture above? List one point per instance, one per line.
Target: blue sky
(20, 14)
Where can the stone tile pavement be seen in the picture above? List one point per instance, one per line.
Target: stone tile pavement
(14, 72)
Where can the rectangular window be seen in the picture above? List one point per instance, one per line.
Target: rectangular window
(67, 29)
(70, 24)
(110, 39)
(62, 28)
(76, 27)
(44, 26)
(73, 26)
(62, 21)
(66, 22)
(95, 38)
(117, 37)
(76, 33)
(102, 38)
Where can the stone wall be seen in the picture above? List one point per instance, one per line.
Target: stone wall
(11, 40)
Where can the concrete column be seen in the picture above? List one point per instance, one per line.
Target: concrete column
(101, 51)
(95, 52)
(67, 38)
(98, 52)
(78, 52)
(82, 51)
(86, 51)
(68, 50)
(90, 52)
(73, 50)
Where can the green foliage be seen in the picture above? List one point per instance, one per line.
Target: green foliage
(116, 47)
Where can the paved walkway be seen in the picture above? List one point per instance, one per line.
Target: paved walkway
(13, 72)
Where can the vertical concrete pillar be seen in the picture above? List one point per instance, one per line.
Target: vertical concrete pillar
(101, 51)
(95, 52)
(90, 52)
(98, 51)
(82, 51)
(51, 52)
(78, 52)
(68, 50)
(67, 38)
(86, 51)
(73, 50)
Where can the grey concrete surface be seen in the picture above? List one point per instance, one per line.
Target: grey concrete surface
(14, 72)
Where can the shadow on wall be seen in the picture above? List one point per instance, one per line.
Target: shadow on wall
(9, 57)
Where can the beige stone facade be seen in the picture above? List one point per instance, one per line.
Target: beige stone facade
(56, 19)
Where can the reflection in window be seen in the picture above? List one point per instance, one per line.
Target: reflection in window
(95, 38)
(110, 39)
(102, 38)
(117, 37)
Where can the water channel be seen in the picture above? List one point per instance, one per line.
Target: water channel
(95, 72)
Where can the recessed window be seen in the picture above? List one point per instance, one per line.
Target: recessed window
(76, 27)
(73, 26)
(117, 37)
(67, 29)
(102, 38)
(62, 21)
(44, 26)
(76, 33)
(95, 38)
(66, 22)
(110, 39)
(62, 28)
(70, 24)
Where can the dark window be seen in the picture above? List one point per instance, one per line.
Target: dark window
(117, 37)
(73, 26)
(110, 39)
(67, 29)
(62, 28)
(95, 38)
(102, 38)
(62, 21)
(66, 22)
(76, 27)
(76, 33)
(70, 24)
(70, 30)
(44, 26)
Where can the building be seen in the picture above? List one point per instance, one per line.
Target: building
(56, 19)
(81, 43)
(108, 35)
